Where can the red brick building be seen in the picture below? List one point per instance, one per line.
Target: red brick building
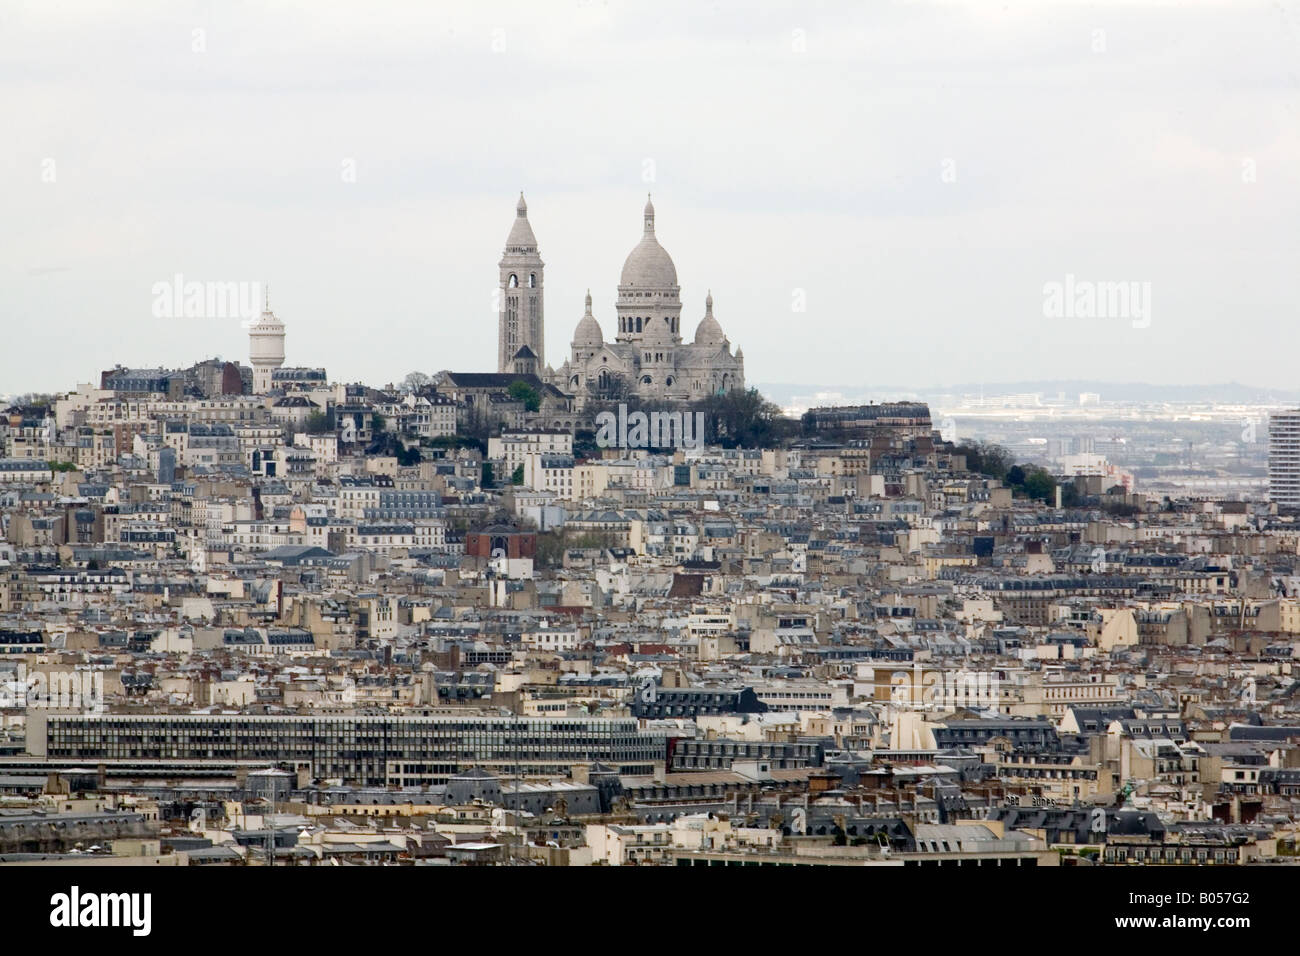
(500, 540)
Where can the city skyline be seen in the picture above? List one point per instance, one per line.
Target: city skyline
(919, 221)
(679, 435)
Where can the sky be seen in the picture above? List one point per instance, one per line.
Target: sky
(880, 192)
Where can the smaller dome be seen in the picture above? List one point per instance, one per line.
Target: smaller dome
(709, 332)
(587, 334)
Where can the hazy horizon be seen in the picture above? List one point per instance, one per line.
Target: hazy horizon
(916, 174)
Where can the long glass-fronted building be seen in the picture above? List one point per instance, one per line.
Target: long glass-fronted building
(385, 750)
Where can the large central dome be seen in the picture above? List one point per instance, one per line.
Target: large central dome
(649, 266)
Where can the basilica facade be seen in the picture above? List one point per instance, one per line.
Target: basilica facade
(647, 359)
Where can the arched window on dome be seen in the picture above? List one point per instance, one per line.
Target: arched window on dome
(646, 380)
(670, 381)
(638, 323)
(532, 280)
(512, 282)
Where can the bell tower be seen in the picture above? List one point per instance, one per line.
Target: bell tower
(521, 318)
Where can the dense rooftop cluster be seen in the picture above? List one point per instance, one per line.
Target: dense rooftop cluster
(330, 624)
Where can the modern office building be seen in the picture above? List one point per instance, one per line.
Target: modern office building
(383, 750)
(1284, 458)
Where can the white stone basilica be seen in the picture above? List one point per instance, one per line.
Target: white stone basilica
(647, 359)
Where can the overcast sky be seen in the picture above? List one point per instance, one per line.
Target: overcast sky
(913, 174)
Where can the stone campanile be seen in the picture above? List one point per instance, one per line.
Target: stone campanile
(521, 321)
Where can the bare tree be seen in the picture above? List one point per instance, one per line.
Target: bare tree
(415, 381)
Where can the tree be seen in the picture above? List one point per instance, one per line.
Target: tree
(745, 419)
(474, 423)
(521, 391)
(415, 381)
(604, 394)
(1070, 497)
(1039, 484)
(387, 443)
(317, 423)
(378, 423)
(488, 479)
(452, 442)
(584, 444)
(1032, 481)
(549, 552)
(517, 476)
(613, 388)
(551, 545)
(985, 458)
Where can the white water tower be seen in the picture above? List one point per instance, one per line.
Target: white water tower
(265, 348)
